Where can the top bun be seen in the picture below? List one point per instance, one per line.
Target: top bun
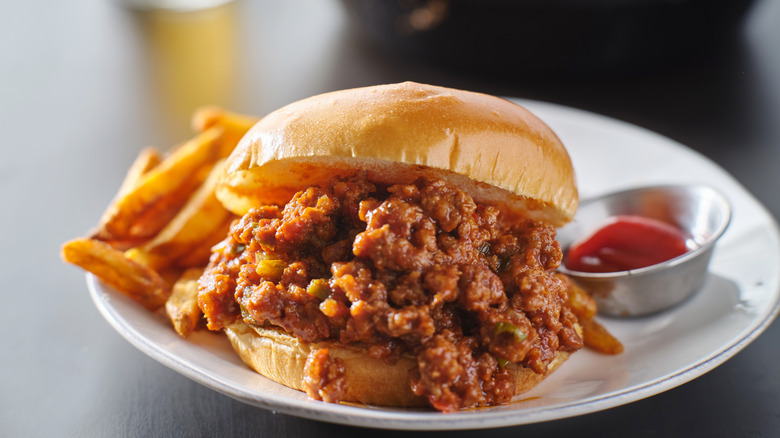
(494, 150)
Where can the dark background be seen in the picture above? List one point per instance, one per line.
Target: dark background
(85, 84)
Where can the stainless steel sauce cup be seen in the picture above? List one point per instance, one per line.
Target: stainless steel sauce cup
(700, 212)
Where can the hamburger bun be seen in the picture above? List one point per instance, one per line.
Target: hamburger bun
(282, 358)
(495, 151)
(492, 149)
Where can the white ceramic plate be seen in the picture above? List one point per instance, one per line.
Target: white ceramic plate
(737, 302)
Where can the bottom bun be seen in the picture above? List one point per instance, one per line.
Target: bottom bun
(282, 358)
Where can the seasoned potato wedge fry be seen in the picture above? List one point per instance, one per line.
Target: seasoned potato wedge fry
(598, 338)
(176, 171)
(582, 304)
(182, 306)
(170, 275)
(151, 261)
(233, 125)
(164, 220)
(147, 159)
(209, 116)
(584, 307)
(110, 265)
(199, 256)
(157, 217)
(200, 217)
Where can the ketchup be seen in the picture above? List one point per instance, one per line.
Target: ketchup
(624, 243)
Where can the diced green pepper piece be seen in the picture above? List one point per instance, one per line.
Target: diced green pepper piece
(507, 327)
(270, 269)
(319, 288)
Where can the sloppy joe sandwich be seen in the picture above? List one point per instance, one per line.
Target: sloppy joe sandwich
(396, 246)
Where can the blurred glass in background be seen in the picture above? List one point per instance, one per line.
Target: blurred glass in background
(173, 5)
(192, 60)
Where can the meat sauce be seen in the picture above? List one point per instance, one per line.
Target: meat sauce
(625, 243)
(417, 269)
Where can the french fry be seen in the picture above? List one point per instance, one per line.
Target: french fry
(166, 179)
(594, 335)
(159, 214)
(200, 255)
(148, 199)
(135, 280)
(165, 217)
(598, 338)
(200, 218)
(234, 125)
(581, 303)
(209, 116)
(147, 159)
(170, 275)
(182, 306)
(151, 261)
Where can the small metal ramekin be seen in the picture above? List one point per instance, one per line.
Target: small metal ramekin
(700, 212)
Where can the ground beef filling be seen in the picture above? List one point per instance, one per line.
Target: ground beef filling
(324, 376)
(417, 269)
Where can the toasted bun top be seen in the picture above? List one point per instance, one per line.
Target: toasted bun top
(496, 151)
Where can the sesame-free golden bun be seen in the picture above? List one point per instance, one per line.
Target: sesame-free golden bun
(494, 150)
(281, 357)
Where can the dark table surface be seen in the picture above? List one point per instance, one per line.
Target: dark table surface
(84, 85)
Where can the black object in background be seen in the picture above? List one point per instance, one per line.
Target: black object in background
(567, 38)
